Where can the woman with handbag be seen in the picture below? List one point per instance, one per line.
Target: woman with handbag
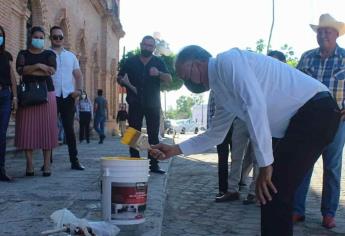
(37, 115)
(7, 91)
(84, 115)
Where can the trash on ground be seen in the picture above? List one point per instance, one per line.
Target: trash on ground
(65, 221)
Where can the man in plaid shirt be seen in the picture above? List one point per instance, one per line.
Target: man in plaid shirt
(326, 64)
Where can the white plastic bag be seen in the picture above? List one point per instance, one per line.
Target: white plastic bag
(64, 218)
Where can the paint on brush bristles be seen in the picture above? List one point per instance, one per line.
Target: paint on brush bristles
(135, 139)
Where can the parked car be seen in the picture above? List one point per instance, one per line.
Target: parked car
(182, 126)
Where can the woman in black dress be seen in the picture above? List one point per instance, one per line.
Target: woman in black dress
(36, 126)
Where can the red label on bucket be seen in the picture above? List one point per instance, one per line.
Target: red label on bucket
(128, 200)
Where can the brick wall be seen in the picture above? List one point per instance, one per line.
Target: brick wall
(90, 32)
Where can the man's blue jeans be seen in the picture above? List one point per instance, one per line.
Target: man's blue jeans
(332, 160)
(99, 125)
(5, 113)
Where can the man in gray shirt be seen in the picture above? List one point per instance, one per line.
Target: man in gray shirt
(101, 113)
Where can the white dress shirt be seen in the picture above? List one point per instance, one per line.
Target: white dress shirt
(263, 92)
(63, 79)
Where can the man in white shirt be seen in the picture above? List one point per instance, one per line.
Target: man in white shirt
(275, 101)
(67, 72)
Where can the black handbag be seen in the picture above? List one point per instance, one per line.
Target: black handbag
(32, 93)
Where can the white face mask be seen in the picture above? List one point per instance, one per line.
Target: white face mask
(83, 96)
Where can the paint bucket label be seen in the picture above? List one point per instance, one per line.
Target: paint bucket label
(128, 200)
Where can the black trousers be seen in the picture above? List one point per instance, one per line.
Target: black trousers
(84, 125)
(66, 108)
(136, 113)
(223, 151)
(309, 132)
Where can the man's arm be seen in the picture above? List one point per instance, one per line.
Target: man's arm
(78, 76)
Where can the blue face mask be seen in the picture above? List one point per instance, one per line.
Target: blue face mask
(1, 40)
(38, 43)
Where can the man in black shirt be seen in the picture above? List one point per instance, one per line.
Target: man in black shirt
(142, 75)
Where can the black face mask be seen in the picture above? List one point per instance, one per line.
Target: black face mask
(194, 87)
(146, 53)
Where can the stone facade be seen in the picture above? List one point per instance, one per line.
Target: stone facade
(92, 31)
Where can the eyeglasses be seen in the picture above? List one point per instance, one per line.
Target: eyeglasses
(57, 37)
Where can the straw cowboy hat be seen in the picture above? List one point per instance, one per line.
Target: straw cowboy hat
(326, 20)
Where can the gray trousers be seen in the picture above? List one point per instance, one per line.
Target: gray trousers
(242, 154)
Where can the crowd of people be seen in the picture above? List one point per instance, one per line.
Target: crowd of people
(289, 117)
(39, 125)
(273, 118)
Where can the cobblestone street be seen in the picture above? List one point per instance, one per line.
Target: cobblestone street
(190, 209)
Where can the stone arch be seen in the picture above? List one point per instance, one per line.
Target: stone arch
(37, 15)
(38, 12)
(95, 73)
(81, 52)
(62, 20)
(113, 87)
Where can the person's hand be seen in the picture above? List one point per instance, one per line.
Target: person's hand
(15, 104)
(123, 80)
(264, 185)
(75, 94)
(163, 151)
(342, 113)
(154, 71)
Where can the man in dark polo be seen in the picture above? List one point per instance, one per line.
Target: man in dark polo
(142, 75)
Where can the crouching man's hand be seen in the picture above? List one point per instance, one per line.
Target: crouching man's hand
(264, 185)
(163, 151)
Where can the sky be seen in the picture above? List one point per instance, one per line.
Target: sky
(219, 25)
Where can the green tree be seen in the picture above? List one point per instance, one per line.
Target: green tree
(288, 51)
(184, 105)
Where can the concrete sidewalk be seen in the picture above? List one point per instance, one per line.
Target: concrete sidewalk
(27, 203)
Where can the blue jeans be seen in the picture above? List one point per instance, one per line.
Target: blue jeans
(332, 160)
(5, 113)
(99, 125)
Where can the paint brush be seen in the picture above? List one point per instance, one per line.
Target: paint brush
(135, 139)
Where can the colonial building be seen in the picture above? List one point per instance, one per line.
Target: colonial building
(92, 30)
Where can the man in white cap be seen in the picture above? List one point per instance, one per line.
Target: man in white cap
(326, 64)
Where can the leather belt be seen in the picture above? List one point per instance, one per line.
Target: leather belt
(320, 95)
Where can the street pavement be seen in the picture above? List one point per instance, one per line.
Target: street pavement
(179, 203)
(27, 203)
(190, 209)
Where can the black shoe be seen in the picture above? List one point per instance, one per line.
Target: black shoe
(30, 173)
(157, 171)
(251, 199)
(46, 174)
(228, 197)
(4, 176)
(101, 139)
(221, 193)
(77, 166)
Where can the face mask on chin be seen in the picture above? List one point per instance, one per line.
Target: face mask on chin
(146, 53)
(194, 87)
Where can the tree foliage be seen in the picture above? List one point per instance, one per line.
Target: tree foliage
(184, 107)
(288, 51)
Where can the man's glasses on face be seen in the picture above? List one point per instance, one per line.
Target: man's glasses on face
(57, 37)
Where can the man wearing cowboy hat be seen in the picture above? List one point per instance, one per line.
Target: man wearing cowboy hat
(326, 64)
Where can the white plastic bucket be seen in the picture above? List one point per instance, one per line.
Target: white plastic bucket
(124, 189)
